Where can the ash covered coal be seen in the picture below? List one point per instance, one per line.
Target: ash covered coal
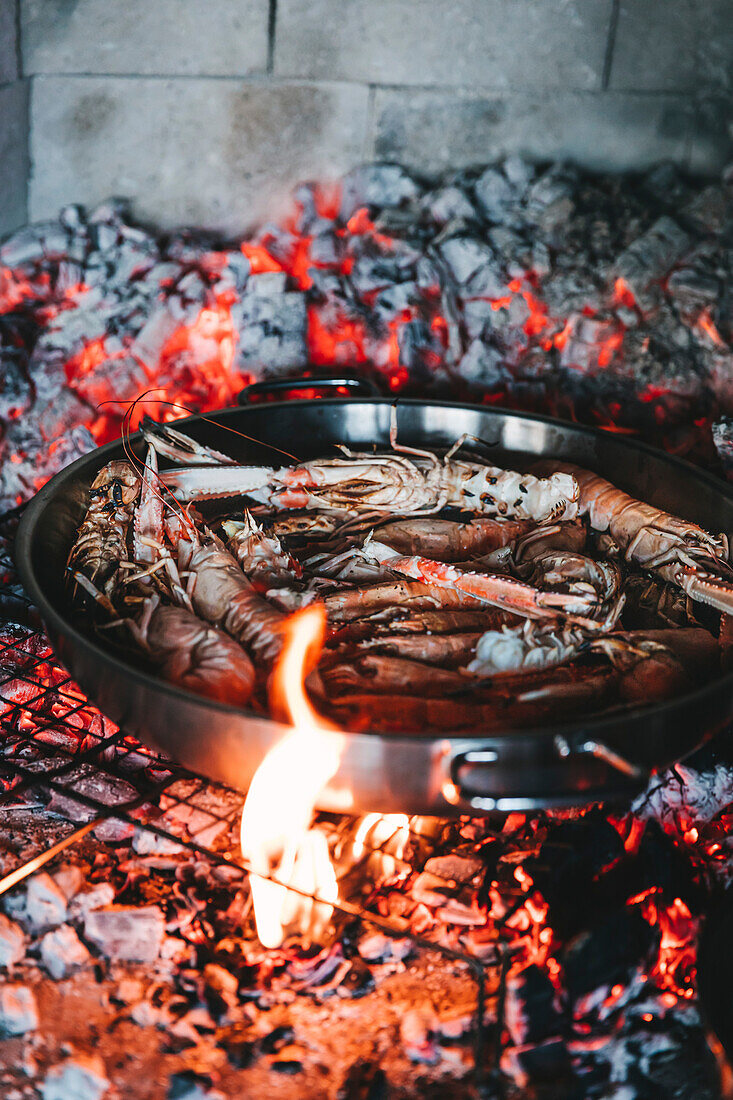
(604, 299)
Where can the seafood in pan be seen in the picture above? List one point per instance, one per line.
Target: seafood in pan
(458, 595)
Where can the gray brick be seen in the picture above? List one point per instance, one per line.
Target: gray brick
(436, 130)
(218, 153)
(492, 43)
(8, 41)
(13, 155)
(147, 37)
(714, 61)
(655, 46)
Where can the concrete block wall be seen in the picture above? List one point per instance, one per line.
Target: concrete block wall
(13, 124)
(207, 111)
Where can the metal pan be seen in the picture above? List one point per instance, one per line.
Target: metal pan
(565, 764)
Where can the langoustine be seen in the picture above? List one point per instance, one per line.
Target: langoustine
(405, 480)
(677, 550)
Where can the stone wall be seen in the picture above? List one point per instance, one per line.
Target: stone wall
(13, 124)
(206, 111)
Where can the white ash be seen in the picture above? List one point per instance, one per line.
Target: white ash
(82, 1077)
(18, 1010)
(145, 842)
(125, 932)
(415, 1035)
(45, 902)
(129, 991)
(455, 868)
(62, 952)
(12, 941)
(98, 897)
(69, 878)
(698, 795)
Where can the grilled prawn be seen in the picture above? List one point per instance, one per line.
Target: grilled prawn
(404, 480)
(675, 549)
(101, 543)
(193, 654)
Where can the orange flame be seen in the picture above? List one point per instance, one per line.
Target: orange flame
(623, 294)
(706, 323)
(292, 879)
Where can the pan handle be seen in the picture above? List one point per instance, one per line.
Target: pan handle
(590, 746)
(465, 766)
(365, 386)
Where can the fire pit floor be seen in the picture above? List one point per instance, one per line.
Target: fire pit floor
(130, 1023)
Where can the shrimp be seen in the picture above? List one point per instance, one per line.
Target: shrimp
(101, 542)
(675, 549)
(193, 654)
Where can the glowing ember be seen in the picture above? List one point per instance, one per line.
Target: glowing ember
(276, 838)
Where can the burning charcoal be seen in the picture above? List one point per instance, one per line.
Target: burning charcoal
(686, 1071)
(573, 855)
(374, 946)
(22, 248)
(152, 338)
(723, 440)
(12, 942)
(455, 868)
(375, 185)
(18, 1011)
(221, 988)
(447, 203)
(550, 202)
(240, 1052)
(15, 389)
(591, 343)
(281, 1036)
(473, 267)
(710, 210)
(693, 287)
(272, 332)
(415, 1036)
(395, 300)
(519, 172)
(188, 1086)
(374, 267)
(364, 1081)
(72, 217)
(548, 1061)
(126, 933)
(649, 258)
(82, 1077)
(530, 1012)
(497, 198)
(327, 248)
(146, 843)
(45, 902)
(63, 952)
(357, 982)
(608, 953)
(699, 795)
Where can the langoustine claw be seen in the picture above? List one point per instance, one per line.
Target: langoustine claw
(496, 589)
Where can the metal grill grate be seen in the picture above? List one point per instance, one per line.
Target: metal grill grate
(59, 751)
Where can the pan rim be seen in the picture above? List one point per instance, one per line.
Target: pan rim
(591, 726)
